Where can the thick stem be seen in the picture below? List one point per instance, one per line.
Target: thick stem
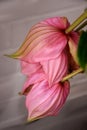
(81, 26)
(72, 74)
(77, 22)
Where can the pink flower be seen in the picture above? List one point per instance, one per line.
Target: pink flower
(47, 55)
(44, 101)
(53, 70)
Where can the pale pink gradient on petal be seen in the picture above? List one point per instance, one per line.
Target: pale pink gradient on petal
(58, 22)
(46, 57)
(33, 79)
(73, 45)
(42, 34)
(30, 68)
(43, 101)
(55, 69)
(46, 45)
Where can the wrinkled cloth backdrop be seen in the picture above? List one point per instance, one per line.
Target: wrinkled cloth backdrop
(16, 18)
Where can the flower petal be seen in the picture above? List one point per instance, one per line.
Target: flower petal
(33, 79)
(28, 68)
(58, 22)
(48, 47)
(73, 44)
(43, 101)
(55, 69)
(47, 35)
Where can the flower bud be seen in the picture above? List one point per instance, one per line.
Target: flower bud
(44, 101)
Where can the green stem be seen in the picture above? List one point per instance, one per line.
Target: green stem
(81, 26)
(72, 74)
(77, 22)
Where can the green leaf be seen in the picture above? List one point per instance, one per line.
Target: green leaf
(82, 50)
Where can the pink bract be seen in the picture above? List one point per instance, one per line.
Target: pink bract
(47, 55)
(44, 101)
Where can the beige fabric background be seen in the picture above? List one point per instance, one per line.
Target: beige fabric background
(16, 18)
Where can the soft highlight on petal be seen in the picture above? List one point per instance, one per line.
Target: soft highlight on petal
(47, 55)
(40, 32)
(56, 69)
(28, 68)
(58, 22)
(43, 101)
(46, 49)
(73, 44)
(33, 79)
